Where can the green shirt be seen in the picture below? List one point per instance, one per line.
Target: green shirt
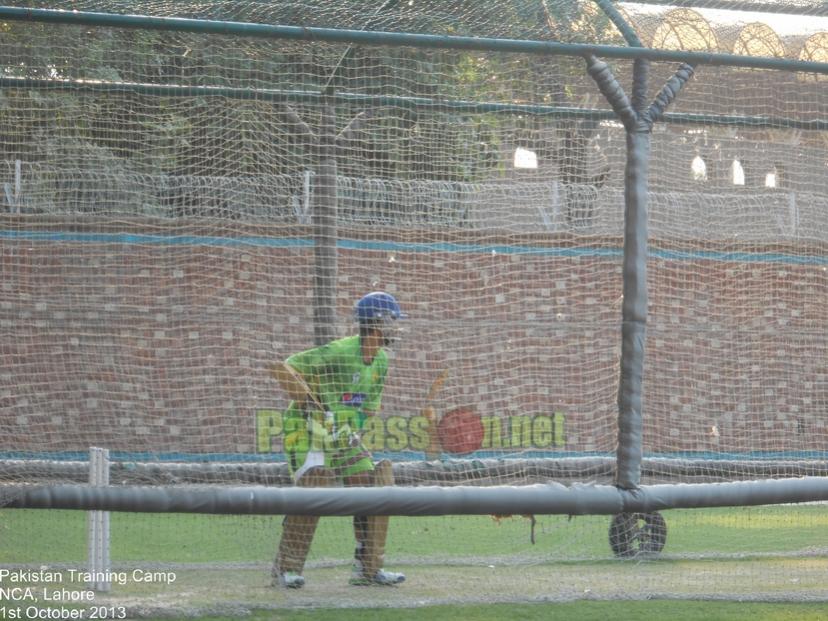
(341, 380)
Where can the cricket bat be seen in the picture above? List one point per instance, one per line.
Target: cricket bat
(294, 385)
(433, 450)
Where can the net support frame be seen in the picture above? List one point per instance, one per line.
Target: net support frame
(382, 38)
(98, 525)
(624, 497)
(539, 499)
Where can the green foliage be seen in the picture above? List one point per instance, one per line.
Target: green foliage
(216, 136)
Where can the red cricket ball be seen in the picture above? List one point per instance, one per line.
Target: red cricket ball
(460, 431)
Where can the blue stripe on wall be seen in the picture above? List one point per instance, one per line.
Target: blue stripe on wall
(126, 456)
(389, 246)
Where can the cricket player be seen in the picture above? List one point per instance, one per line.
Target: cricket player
(333, 389)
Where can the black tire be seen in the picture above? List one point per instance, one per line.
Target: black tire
(634, 535)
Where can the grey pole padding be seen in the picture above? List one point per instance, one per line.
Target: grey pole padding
(638, 122)
(546, 499)
(488, 471)
(612, 91)
(634, 267)
(633, 312)
(641, 82)
(325, 228)
(634, 307)
(431, 500)
(669, 92)
(734, 494)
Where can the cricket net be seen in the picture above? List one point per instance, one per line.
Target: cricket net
(183, 207)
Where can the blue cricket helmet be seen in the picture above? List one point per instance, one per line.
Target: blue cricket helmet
(377, 307)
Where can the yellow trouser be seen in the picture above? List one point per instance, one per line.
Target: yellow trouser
(370, 531)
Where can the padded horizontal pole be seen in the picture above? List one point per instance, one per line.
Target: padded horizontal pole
(541, 499)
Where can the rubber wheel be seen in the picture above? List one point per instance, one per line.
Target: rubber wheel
(637, 534)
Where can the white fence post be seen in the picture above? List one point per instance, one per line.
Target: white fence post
(18, 183)
(12, 191)
(98, 524)
(793, 209)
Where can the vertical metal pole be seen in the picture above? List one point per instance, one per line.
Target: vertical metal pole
(325, 229)
(793, 209)
(98, 525)
(638, 124)
(306, 196)
(638, 121)
(18, 184)
(633, 310)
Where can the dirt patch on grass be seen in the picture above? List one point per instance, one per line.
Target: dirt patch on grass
(234, 591)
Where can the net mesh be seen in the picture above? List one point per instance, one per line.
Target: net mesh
(158, 253)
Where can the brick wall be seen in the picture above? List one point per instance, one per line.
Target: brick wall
(160, 345)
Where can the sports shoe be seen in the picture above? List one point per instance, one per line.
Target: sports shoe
(290, 580)
(381, 578)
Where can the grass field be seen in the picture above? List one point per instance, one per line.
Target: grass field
(569, 611)
(31, 536)
(459, 566)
